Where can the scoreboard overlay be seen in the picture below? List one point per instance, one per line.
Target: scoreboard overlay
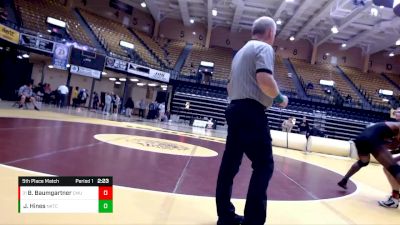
(65, 194)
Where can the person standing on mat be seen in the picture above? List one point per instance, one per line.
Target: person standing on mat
(373, 141)
(252, 89)
(394, 145)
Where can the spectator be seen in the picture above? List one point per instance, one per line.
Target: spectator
(349, 99)
(153, 108)
(82, 97)
(304, 127)
(161, 108)
(116, 104)
(107, 103)
(47, 93)
(39, 90)
(74, 97)
(26, 94)
(142, 107)
(129, 105)
(62, 95)
(287, 125)
(95, 101)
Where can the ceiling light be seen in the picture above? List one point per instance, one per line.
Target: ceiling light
(51, 66)
(143, 4)
(141, 84)
(192, 21)
(194, 33)
(214, 12)
(122, 79)
(391, 54)
(279, 22)
(291, 38)
(126, 44)
(381, 7)
(327, 54)
(344, 45)
(335, 30)
(398, 42)
(117, 82)
(164, 89)
(164, 86)
(103, 73)
(19, 57)
(152, 85)
(134, 80)
(25, 55)
(112, 79)
(49, 30)
(68, 65)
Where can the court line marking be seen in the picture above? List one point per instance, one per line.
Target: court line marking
(180, 180)
(75, 148)
(345, 218)
(38, 127)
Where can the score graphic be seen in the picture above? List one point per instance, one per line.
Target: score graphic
(65, 195)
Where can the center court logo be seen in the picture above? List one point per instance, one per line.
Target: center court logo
(156, 145)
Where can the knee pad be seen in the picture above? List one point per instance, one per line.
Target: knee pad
(394, 170)
(362, 164)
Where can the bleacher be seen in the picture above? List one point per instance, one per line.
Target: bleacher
(34, 14)
(281, 76)
(110, 33)
(172, 48)
(334, 123)
(314, 73)
(370, 83)
(394, 77)
(155, 48)
(221, 57)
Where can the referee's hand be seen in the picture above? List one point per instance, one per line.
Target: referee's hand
(285, 102)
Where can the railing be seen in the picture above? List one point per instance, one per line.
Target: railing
(201, 106)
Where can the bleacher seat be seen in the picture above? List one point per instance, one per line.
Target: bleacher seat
(34, 14)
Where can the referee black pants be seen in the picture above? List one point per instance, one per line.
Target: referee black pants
(248, 133)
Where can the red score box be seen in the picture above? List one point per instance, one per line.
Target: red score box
(105, 193)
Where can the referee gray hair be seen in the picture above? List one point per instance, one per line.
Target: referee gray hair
(262, 24)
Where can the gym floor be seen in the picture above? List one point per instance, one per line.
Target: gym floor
(166, 173)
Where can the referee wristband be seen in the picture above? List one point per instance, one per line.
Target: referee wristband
(279, 99)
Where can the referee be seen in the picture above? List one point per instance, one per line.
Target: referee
(252, 88)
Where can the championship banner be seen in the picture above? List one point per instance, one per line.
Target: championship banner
(9, 34)
(60, 56)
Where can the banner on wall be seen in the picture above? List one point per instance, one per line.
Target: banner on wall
(116, 64)
(9, 34)
(159, 75)
(37, 43)
(137, 70)
(60, 56)
(80, 70)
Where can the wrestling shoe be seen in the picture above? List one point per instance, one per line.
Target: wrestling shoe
(390, 203)
(343, 184)
(236, 220)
